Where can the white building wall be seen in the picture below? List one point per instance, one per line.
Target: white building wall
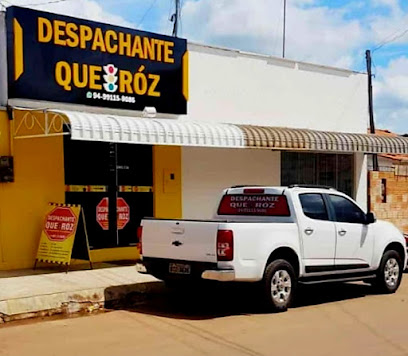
(360, 179)
(230, 86)
(234, 87)
(207, 171)
(384, 163)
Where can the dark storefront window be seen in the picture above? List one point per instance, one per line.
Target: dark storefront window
(335, 170)
(88, 166)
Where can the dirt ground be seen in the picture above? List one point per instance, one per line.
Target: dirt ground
(227, 320)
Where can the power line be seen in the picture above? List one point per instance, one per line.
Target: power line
(395, 36)
(391, 35)
(145, 14)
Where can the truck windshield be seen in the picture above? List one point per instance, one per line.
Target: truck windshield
(254, 204)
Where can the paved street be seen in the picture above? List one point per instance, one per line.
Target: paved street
(328, 320)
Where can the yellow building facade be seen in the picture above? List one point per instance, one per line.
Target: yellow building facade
(39, 179)
(118, 71)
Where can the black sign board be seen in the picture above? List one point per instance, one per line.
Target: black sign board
(64, 59)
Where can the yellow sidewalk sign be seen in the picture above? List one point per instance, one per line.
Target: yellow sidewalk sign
(63, 235)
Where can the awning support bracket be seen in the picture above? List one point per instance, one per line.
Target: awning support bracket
(39, 123)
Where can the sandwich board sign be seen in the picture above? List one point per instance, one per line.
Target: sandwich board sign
(63, 235)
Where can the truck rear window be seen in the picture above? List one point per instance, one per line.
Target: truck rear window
(254, 204)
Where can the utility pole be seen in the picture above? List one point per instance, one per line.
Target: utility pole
(284, 29)
(175, 18)
(370, 104)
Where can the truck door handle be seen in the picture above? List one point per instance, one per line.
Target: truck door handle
(342, 232)
(309, 231)
(177, 230)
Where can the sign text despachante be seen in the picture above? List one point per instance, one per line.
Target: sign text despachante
(58, 58)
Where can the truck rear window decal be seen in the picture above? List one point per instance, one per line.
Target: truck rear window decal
(254, 204)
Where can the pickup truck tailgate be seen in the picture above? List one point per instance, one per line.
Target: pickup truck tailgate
(180, 240)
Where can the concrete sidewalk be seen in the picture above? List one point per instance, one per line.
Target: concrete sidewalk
(86, 290)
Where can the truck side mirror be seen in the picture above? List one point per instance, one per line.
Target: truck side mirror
(370, 218)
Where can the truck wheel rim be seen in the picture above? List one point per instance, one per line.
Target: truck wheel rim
(391, 272)
(281, 286)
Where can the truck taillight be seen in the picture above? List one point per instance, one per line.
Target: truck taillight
(225, 245)
(406, 239)
(139, 237)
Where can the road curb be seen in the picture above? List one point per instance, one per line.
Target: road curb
(80, 301)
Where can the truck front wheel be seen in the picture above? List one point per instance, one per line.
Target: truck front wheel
(389, 274)
(279, 285)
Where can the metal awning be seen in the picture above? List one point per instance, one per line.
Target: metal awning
(314, 140)
(97, 127)
(152, 131)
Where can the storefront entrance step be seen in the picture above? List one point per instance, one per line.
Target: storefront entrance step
(47, 294)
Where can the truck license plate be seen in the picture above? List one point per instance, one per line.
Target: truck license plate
(179, 268)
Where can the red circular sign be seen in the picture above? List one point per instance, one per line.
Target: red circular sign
(123, 212)
(102, 213)
(60, 223)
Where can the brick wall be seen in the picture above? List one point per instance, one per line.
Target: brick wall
(395, 209)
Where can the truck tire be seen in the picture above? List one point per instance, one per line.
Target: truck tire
(280, 284)
(389, 274)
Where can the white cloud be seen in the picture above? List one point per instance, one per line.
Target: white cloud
(391, 4)
(303, 2)
(314, 33)
(391, 95)
(85, 9)
(317, 34)
(384, 26)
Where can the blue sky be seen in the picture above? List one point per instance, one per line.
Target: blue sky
(330, 32)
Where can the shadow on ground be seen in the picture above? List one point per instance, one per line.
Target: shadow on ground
(215, 300)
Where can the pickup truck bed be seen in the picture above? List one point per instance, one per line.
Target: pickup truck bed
(189, 240)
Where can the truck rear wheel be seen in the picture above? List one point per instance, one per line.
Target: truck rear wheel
(280, 284)
(389, 273)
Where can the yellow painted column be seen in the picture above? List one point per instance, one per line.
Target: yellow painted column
(4, 134)
(4, 151)
(38, 180)
(167, 182)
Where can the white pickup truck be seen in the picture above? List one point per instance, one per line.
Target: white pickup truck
(279, 236)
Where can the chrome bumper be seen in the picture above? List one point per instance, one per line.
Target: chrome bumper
(219, 275)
